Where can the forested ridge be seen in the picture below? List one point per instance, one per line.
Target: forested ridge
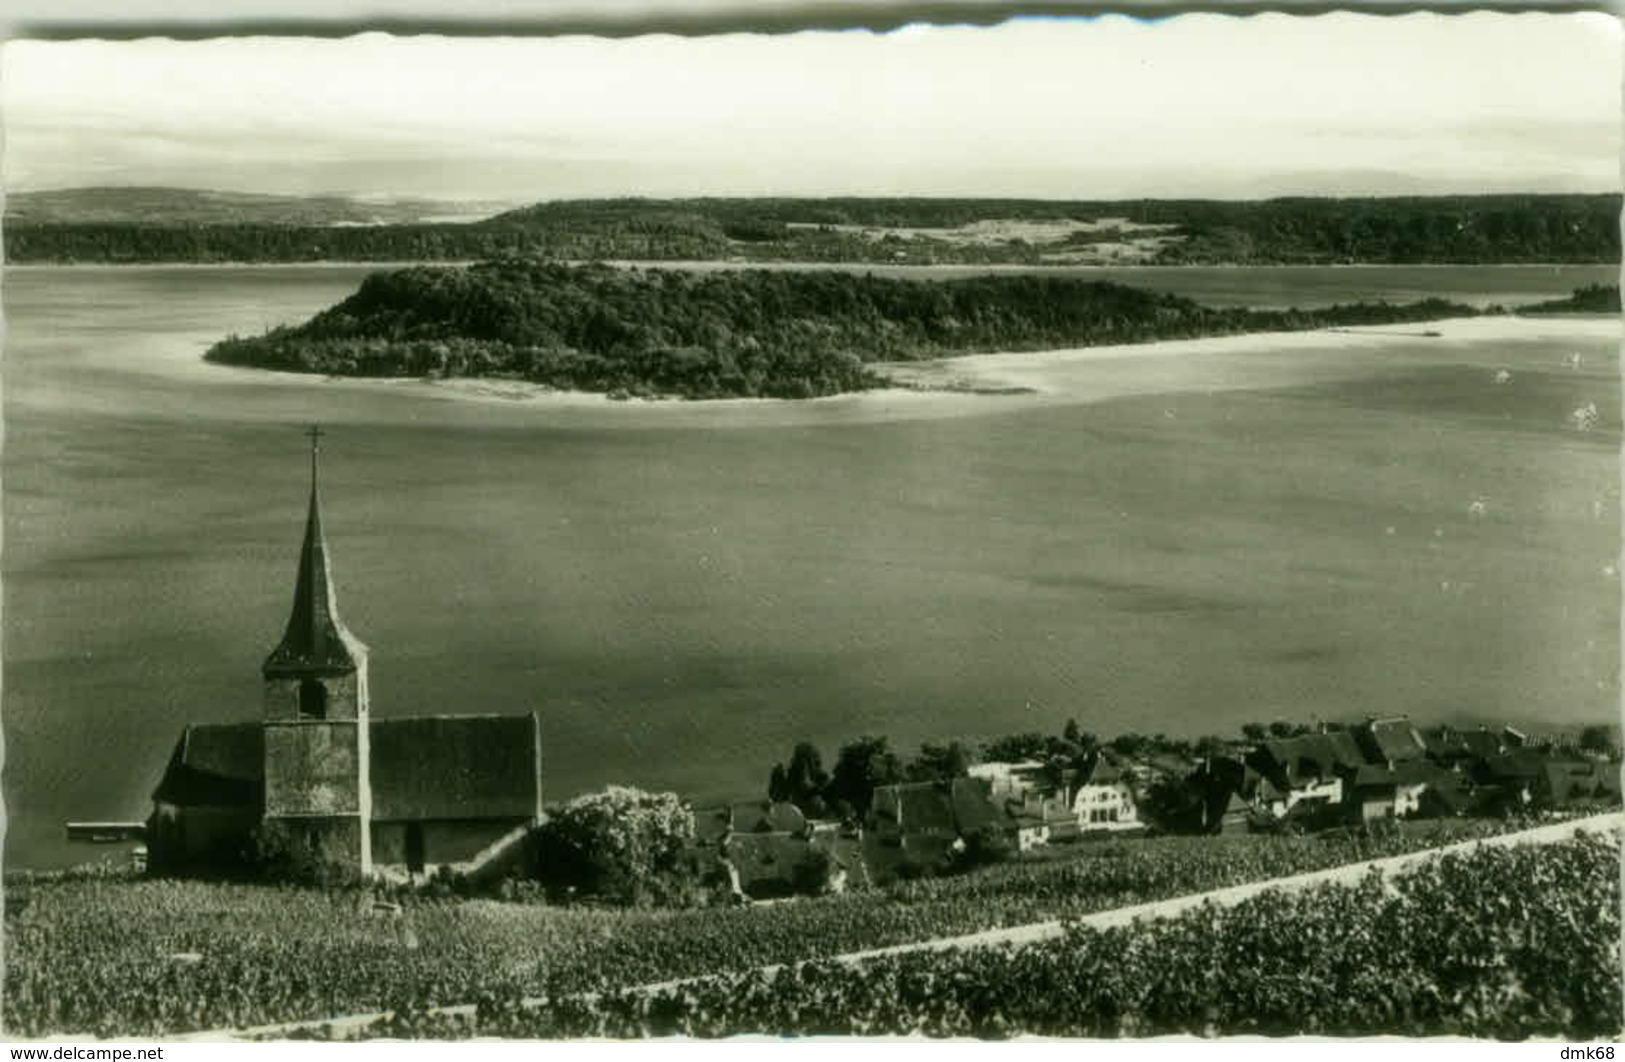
(744, 333)
(1439, 229)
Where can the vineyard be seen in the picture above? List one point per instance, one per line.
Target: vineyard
(1503, 942)
(133, 957)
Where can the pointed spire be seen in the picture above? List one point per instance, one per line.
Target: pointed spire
(316, 640)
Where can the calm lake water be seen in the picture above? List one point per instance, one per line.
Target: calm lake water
(684, 590)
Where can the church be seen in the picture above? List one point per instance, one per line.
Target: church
(396, 798)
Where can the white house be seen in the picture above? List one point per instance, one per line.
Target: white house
(1104, 799)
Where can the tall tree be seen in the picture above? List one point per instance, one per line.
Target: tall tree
(860, 767)
(940, 763)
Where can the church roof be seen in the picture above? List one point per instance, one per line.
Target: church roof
(422, 768)
(456, 767)
(316, 641)
(215, 764)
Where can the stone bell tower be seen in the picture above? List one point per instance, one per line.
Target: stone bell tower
(315, 717)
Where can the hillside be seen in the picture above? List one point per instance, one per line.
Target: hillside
(149, 208)
(749, 333)
(167, 225)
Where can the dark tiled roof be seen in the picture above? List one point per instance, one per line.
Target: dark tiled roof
(429, 767)
(215, 764)
(1568, 779)
(1444, 743)
(1392, 739)
(1374, 776)
(762, 816)
(1518, 766)
(1104, 769)
(456, 767)
(1311, 756)
(1421, 772)
(767, 862)
(973, 805)
(926, 807)
(315, 640)
(1481, 743)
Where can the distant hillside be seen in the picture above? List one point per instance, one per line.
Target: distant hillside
(157, 207)
(164, 225)
(753, 332)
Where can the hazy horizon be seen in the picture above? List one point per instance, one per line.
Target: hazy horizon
(1197, 106)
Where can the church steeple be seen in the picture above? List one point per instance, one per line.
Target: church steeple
(315, 643)
(317, 726)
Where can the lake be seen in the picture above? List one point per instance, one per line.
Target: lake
(1179, 539)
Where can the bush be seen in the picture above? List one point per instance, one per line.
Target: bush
(280, 855)
(616, 845)
(984, 846)
(811, 874)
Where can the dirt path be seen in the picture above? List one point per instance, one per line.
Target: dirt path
(1033, 932)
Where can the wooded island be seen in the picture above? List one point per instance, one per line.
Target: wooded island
(745, 333)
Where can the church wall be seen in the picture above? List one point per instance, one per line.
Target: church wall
(444, 840)
(201, 837)
(457, 842)
(282, 697)
(312, 769)
(333, 840)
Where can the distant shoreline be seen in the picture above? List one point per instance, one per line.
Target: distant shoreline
(722, 263)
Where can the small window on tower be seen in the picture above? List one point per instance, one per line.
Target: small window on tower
(312, 700)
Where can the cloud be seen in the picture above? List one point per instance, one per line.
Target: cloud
(1070, 108)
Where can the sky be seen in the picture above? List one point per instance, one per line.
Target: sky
(1197, 105)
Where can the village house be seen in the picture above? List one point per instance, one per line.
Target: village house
(926, 824)
(398, 797)
(1390, 741)
(1309, 770)
(1458, 749)
(1103, 797)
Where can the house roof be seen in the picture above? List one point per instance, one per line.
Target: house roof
(1569, 778)
(1517, 764)
(1311, 756)
(1392, 740)
(457, 767)
(927, 806)
(973, 804)
(764, 816)
(1421, 772)
(1481, 743)
(215, 764)
(1374, 776)
(315, 641)
(1103, 769)
(425, 767)
(915, 806)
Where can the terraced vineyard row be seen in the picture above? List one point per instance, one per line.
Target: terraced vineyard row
(152, 957)
(1502, 942)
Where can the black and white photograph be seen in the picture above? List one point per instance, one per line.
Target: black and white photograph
(1069, 526)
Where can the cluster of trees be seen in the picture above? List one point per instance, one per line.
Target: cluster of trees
(1459, 229)
(1593, 298)
(621, 845)
(1409, 230)
(746, 333)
